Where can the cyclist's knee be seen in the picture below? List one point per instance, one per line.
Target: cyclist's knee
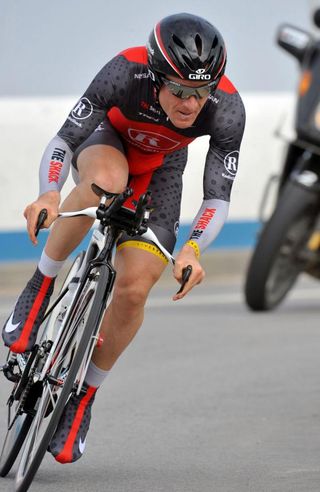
(137, 272)
(131, 292)
(103, 165)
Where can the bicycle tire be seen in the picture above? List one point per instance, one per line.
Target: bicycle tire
(17, 433)
(13, 442)
(277, 260)
(27, 470)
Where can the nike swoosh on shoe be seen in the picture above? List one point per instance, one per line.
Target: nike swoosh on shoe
(10, 326)
(82, 445)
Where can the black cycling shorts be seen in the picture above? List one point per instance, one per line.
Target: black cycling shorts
(163, 177)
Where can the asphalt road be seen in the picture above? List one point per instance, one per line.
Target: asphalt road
(208, 398)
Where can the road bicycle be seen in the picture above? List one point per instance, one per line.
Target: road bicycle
(46, 377)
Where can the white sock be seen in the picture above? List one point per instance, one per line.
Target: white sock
(49, 267)
(95, 376)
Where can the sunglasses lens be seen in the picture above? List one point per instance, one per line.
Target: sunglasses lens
(184, 92)
(203, 91)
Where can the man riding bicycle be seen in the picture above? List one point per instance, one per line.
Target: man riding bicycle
(132, 127)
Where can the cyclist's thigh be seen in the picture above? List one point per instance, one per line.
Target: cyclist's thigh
(166, 189)
(101, 159)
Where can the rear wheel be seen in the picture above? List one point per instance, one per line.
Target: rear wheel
(282, 252)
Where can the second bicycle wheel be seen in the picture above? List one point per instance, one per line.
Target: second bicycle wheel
(63, 375)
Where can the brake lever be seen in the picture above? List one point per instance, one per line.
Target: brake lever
(42, 217)
(186, 272)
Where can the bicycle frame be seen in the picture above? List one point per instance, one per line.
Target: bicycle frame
(99, 251)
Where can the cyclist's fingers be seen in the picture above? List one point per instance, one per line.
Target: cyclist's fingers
(50, 219)
(179, 267)
(196, 278)
(31, 215)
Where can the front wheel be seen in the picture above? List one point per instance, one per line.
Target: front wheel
(19, 421)
(282, 252)
(16, 434)
(69, 358)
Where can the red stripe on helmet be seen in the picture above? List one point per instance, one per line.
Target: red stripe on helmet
(163, 50)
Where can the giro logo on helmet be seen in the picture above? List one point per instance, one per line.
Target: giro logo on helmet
(199, 76)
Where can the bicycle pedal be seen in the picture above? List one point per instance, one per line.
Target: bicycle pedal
(7, 370)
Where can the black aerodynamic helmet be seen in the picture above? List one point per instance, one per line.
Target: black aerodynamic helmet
(186, 46)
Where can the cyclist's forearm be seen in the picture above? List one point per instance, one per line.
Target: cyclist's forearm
(208, 223)
(54, 166)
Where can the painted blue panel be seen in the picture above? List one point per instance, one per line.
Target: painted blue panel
(17, 246)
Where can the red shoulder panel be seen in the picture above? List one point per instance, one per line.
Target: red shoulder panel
(136, 55)
(226, 86)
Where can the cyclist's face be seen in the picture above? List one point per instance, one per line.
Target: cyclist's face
(181, 112)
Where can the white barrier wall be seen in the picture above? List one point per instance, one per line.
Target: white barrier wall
(27, 124)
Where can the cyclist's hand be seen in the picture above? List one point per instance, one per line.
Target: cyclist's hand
(50, 201)
(187, 256)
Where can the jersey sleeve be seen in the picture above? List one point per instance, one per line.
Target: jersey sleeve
(220, 170)
(54, 165)
(101, 95)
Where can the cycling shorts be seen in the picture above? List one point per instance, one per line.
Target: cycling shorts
(161, 174)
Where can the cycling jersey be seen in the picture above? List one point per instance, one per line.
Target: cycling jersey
(123, 93)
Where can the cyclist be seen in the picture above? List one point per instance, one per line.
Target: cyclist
(133, 126)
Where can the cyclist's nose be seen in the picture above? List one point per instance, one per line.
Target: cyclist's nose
(191, 103)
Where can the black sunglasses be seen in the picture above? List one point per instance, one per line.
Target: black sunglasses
(184, 91)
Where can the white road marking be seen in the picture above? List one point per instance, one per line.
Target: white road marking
(226, 298)
(216, 299)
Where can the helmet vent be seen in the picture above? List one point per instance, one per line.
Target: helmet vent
(209, 62)
(214, 43)
(188, 62)
(178, 41)
(198, 42)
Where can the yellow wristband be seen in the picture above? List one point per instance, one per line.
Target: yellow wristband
(195, 246)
